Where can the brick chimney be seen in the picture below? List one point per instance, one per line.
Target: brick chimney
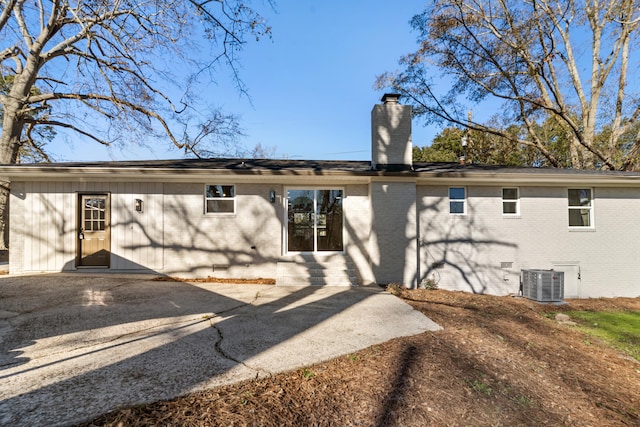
(391, 148)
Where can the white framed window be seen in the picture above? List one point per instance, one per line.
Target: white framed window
(219, 199)
(580, 207)
(457, 200)
(511, 201)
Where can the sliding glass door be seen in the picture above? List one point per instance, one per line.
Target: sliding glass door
(314, 220)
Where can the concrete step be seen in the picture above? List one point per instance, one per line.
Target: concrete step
(313, 281)
(314, 271)
(338, 271)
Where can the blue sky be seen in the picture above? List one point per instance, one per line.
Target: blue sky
(311, 86)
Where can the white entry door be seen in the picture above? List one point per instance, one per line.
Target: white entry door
(94, 231)
(571, 278)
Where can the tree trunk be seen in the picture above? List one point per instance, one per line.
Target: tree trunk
(4, 215)
(574, 153)
(12, 125)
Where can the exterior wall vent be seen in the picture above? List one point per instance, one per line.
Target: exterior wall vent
(542, 285)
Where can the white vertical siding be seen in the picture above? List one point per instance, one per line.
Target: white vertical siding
(136, 237)
(18, 224)
(28, 225)
(482, 251)
(44, 225)
(49, 226)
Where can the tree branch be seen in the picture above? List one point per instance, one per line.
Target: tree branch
(112, 100)
(24, 30)
(33, 122)
(6, 13)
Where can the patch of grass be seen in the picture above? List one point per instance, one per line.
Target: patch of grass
(244, 397)
(619, 329)
(526, 402)
(481, 387)
(308, 373)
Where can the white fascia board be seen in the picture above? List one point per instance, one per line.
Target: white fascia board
(307, 176)
(528, 179)
(88, 174)
(392, 178)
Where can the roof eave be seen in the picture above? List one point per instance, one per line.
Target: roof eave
(521, 178)
(32, 173)
(38, 172)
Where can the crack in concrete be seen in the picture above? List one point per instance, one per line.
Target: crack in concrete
(131, 335)
(11, 319)
(221, 352)
(218, 343)
(110, 344)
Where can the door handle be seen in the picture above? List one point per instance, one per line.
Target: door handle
(81, 234)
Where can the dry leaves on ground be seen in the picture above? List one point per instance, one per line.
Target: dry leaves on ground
(498, 361)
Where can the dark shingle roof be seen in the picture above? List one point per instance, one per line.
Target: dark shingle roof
(447, 168)
(236, 164)
(315, 167)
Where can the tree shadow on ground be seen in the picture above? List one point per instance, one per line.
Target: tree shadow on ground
(139, 341)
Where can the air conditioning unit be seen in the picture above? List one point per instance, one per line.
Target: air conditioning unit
(542, 285)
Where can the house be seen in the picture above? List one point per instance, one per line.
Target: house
(468, 227)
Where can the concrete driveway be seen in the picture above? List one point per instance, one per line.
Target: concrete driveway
(74, 346)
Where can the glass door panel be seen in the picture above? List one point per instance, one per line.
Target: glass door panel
(300, 218)
(329, 225)
(314, 220)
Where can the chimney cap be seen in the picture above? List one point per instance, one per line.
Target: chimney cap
(390, 98)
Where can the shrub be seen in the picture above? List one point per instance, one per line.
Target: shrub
(395, 288)
(429, 283)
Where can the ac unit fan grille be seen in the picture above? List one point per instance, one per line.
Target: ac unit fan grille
(543, 285)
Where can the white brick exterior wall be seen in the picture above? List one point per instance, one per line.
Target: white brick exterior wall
(247, 244)
(473, 248)
(357, 215)
(391, 135)
(393, 232)
(482, 251)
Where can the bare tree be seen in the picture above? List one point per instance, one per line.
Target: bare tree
(260, 151)
(106, 67)
(118, 71)
(563, 61)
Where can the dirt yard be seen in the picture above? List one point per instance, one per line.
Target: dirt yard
(500, 361)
